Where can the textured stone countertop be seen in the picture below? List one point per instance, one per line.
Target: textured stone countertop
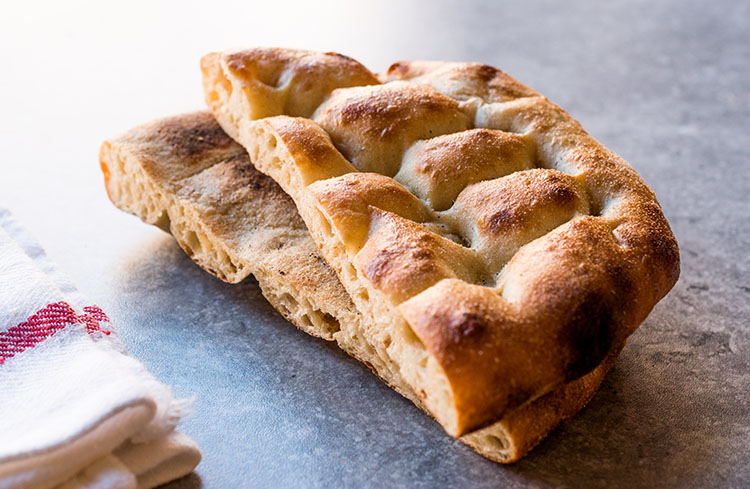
(664, 84)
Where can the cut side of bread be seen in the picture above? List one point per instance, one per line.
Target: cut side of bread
(186, 176)
(495, 250)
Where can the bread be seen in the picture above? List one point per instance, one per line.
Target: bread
(186, 176)
(487, 285)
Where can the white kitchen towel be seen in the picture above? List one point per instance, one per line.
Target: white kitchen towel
(75, 410)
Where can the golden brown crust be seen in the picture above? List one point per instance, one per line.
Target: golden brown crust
(401, 258)
(438, 169)
(288, 81)
(549, 282)
(501, 215)
(311, 148)
(482, 339)
(461, 81)
(372, 126)
(190, 143)
(353, 197)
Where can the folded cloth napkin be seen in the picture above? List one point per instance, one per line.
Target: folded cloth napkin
(75, 410)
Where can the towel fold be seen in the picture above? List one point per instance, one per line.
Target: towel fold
(75, 410)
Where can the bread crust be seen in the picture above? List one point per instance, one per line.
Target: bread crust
(185, 166)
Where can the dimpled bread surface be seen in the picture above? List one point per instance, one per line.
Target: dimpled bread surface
(494, 249)
(184, 175)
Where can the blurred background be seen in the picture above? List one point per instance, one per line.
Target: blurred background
(641, 76)
(664, 84)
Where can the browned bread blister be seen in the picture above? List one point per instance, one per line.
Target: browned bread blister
(493, 247)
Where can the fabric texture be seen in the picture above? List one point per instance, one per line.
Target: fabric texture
(76, 411)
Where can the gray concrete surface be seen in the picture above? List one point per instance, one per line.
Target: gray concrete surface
(664, 84)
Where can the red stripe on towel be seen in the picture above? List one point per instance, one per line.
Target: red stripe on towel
(46, 322)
